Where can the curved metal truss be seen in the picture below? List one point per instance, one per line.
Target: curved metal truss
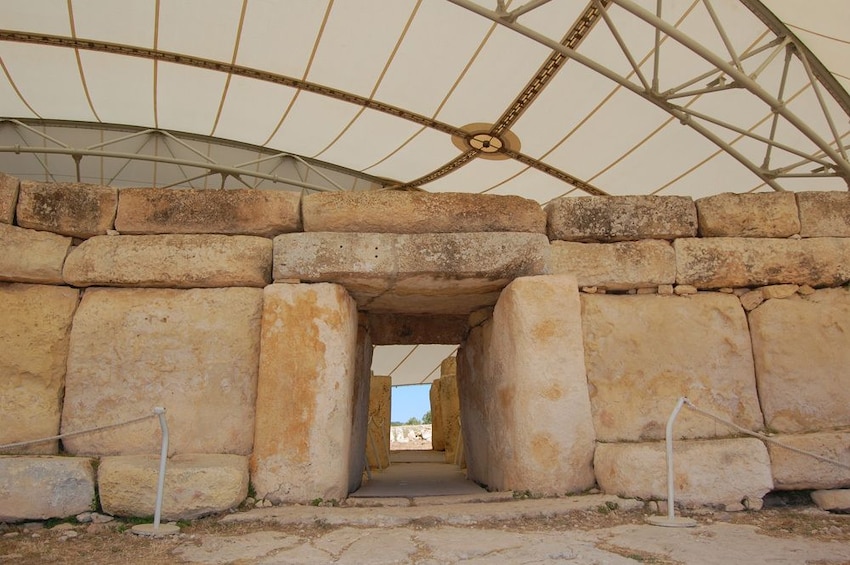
(171, 158)
(735, 72)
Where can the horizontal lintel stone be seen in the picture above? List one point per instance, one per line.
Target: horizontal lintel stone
(31, 256)
(720, 262)
(616, 266)
(394, 211)
(75, 209)
(824, 214)
(621, 218)
(399, 329)
(232, 212)
(172, 261)
(769, 214)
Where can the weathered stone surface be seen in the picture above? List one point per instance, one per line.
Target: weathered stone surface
(171, 261)
(824, 214)
(380, 400)
(449, 410)
(643, 352)
(35, 324)
(8, 198)
(232, 212)
(716, 472)
(779, 291)
(398, 329)
(194, 352)
(413, 273)
(360, 405)
(304, 410)
(78, 210)
(616, 266)
(738, 262)
(833, 500)
(195, 485)
(393, 211)
(795, 471)
(621, 218)
(32, 256)
(801, 348)
(752, 299)
(438, 436)
(769, 214)
(519, 372)
(38, 488)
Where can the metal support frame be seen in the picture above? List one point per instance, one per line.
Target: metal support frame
(722, 68)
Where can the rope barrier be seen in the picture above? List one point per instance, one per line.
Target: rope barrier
(77, 433)
(763, 437)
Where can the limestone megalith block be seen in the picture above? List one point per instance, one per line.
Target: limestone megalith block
(8, 198)
(801, 348)
(621, 218)
(616, 266)
(195, 485)
(393, 211)
(729, 262)
(715, 472)
(378, 441)
(31, 256)
(40, 488)
(171, 261)
(242, 211)
(768, 214)
(303, 425)
(438, 436)
(643, 352)
(194, 352)
(824, 214)
(74, 209)
(35, 325)
(795, 471)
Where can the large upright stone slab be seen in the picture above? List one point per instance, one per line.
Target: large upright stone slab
(31, 256)
(304, 405)
(394, 211)
(360, 405)
(78, 210)
(241, 211)
(438, 436)
(801, 348)
(8, 198)
(35, 324)
(194, 352)
(380, 402)
(795, 471)
(171, 261)
(824, 214)
(643, 352)
(195, 485)
(616, 266)
(719, 262)
(621, 218)
(534, 400)
(445, 274)
(768, 214)
(449, 408)
(40, 488)
(717, 472)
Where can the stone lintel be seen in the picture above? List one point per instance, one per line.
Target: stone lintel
(715, 472)
(413, 273)
(768, 214)
(243, 211)
(401, 329)
(8, 198)
(170, 261)
(720, 262)
(616, 266)
(74, 209)
(31, 256)
(824, 214)
(393, 211)
(621, 218)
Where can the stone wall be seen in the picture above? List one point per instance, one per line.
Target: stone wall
(237, 310)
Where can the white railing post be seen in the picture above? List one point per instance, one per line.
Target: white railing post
(670, 520)
(156, 529)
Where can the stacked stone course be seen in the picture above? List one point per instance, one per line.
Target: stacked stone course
(197, 300)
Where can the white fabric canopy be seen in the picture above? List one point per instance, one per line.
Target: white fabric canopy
(540, 98)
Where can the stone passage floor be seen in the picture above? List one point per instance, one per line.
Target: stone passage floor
(409, 480)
